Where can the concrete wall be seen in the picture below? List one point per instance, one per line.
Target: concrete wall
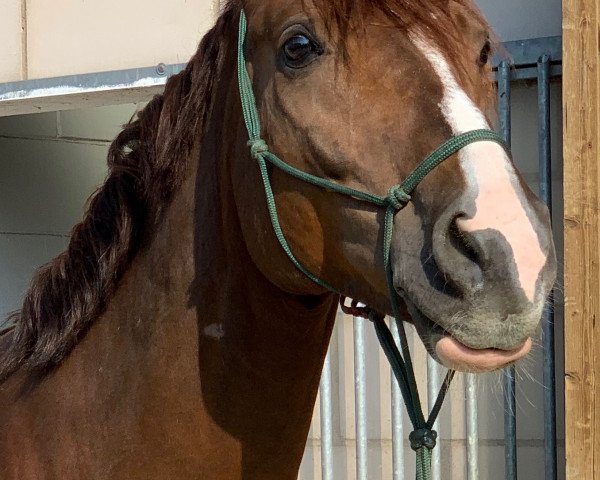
(49, 165)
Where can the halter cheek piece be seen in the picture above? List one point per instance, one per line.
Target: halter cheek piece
(423, 438)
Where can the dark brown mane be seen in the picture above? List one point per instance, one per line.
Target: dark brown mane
(146, 164)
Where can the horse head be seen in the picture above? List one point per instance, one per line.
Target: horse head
(361, 99)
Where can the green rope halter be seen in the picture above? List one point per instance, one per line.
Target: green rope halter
(423, 438)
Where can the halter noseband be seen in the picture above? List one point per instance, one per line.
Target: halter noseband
(423, 438)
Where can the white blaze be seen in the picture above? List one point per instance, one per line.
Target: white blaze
(488, 171)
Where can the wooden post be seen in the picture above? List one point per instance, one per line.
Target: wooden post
(582, 237)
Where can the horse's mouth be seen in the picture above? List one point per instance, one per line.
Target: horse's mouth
(455, 355)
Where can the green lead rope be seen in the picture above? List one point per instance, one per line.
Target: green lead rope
(423, 438)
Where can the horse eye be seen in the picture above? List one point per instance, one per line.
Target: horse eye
(300, 51)
(484, 55)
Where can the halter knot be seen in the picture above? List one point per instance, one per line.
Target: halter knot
(397, 197)
(257, 147)
(423, 437)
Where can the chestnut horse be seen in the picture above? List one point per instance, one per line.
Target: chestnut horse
(174, 339)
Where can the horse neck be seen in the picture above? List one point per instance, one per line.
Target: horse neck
(260, 349)
(248, 356)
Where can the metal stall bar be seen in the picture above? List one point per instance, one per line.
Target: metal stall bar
(510, 418)
(545, 166)
(472, 428)
(433, 387)
(360, 402)
(326, 421)
(397, 418)
(524, 55)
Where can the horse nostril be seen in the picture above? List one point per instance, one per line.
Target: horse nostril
(458, 255)
(463, 243)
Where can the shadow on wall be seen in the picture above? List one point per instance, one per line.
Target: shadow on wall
(49, 165)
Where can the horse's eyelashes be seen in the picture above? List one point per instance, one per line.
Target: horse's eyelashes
(484, 55)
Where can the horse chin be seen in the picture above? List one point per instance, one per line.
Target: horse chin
(455, 355)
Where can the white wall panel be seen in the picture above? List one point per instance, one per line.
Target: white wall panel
(71, 36)
(10, 40)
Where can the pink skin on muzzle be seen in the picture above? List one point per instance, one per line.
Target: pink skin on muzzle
(498, 207)
(457, 356)
(489, 173)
